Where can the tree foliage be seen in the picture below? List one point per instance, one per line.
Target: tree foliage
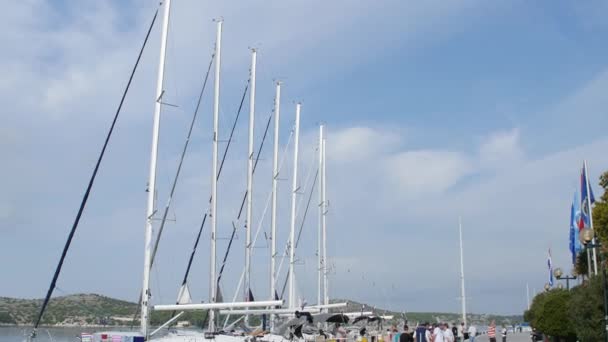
(586, 308)
(582, 264)
(549, 314)
(600, 214)
(552, 316)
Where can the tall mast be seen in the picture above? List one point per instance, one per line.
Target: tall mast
(462, 291)
(145, 300)
(275, 176)
(249, 220)
(324, 201)
(294, 193)
(590, 216)
(320, 234)
(216, 110)
(528, 295)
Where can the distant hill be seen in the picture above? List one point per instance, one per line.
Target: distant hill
(78, 309)
(94, 309)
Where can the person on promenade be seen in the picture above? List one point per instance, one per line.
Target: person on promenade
(438, 333)
(503, 333)
(449, 335)
(460, 332)
(492, 331)
(406, 335)
(420, 333)
(472, 333)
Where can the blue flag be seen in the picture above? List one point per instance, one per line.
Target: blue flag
(585, 218)
(573, 231)
(550, 266)
(575, 215)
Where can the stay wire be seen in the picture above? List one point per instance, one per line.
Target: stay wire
(181, 162)
(243, 201)
(91, 182)
(314, 182)
(202, 226)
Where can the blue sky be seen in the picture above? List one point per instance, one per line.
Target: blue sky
(434, 110)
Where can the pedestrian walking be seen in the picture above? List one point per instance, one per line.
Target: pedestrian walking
(448, 333)
(460, 332)
(472, 333)
(503, 333)
(406, 335)
(492, 331)
(421, 332)
(438, 335)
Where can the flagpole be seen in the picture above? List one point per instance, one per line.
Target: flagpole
(590, 214)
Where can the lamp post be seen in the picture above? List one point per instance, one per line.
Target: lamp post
(559, 275)
(586, 236)
(547, 287)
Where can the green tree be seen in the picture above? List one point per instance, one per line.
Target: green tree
(586, 310)
(537, 304)
(582, 264)
(528, 316)
(5, 317)
(600, 212)
(552, 317)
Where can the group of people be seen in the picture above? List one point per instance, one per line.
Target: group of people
(442, 332)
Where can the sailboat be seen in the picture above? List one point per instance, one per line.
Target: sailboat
(273, 305)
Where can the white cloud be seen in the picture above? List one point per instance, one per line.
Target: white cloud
(426, 172)
(501, 149)
(360, 143)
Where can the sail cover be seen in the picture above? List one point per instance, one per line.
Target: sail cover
(184, 295)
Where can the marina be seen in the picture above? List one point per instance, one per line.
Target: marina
(181, 171)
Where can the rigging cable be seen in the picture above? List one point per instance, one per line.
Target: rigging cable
(243, 202)
(240, 211)
(240, 282)
(181, 161)
(219, 172)
(314, 182)
(91, 181)
(198, 236)
(299, 204)
(185, 280)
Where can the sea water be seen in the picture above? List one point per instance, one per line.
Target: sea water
(20, 334)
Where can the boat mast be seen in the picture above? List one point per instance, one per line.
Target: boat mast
(249, 220)
(216, 109)
(528, 295)
(462, 292)
(320, 234)
(275, 177)
(324, 201)
(294, 193)
(145, 300)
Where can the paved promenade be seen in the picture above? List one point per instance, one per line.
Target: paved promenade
(517, 337)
